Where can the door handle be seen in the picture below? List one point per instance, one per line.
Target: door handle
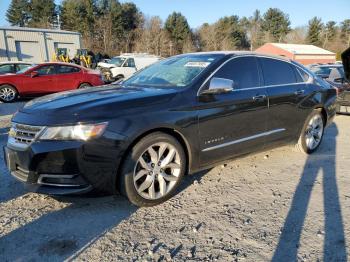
(299, 92)
(259, 97)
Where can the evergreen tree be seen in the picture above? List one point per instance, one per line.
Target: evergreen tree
(17, 14)
(78, 15)
(330, 33)
(315, 31)
(345, 31)
(42, 13)
(179, 30)
(276, 24)
(231, 34)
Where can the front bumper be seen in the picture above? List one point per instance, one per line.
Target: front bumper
(66, 167)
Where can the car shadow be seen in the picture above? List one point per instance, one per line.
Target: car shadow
(322, 162)
(9, 187)
(66, 233)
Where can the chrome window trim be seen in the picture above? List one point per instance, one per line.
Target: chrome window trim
(258, 87)
(244, 139)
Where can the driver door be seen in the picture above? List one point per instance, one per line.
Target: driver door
(44, 82)
(129, 67)
(233, 123)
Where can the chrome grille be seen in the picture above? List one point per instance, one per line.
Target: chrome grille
(23, 135)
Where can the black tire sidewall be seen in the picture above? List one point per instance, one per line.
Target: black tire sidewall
(84, 85)
(126, 180)
(14, 89)
(302, 140)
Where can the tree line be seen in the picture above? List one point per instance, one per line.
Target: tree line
(111, 27)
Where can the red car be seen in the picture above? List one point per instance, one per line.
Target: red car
(46, 78)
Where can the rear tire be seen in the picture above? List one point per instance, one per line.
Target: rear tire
(84, 85)
(152, 170)
(8, 94)
(312, 133)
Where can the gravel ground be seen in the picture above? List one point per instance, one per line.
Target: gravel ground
(277, 205)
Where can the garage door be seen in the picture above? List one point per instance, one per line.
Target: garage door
(28, 51)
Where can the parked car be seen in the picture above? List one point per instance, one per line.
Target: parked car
(343, 105)
(124, 66)
(46, 78)
(335, 75)
(181, 115)
(13, 67)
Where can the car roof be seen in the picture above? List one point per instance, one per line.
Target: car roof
(16, 62)
(60, 63)
(240, 53)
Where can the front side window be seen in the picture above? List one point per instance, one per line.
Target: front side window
(22, 66)
(243, 71)
(129, 63)
(277, 72)
(67, 69)
(8, 68)
(46, 70)
(179, 71)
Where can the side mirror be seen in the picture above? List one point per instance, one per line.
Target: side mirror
(219, 86)
(34, 74)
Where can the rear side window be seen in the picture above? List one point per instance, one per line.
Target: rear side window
(243, 71)
(277, 72)
(68, 69)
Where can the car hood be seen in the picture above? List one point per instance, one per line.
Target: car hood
(92, 104)
(106, 65)
(345, 56)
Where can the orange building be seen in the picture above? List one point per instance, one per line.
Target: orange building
(304, 54)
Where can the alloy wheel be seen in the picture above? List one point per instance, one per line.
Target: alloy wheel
(157, 171)
(7, 94)
(314, 132)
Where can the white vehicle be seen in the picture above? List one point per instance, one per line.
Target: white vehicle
(125, 65)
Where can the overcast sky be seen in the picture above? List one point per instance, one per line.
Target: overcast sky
(199, 11)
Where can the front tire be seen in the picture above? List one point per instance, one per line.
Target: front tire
(152, 170)
(312, 133)
(8, 94)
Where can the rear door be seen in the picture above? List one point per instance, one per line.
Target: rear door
(233, 123)
(44, 83)
(69, 77)
(286, 90)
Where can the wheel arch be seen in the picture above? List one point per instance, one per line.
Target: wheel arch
(82, 83)
(324, 114)
(12, 85)
(167, 130)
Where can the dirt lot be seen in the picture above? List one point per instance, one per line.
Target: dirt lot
(279, 205)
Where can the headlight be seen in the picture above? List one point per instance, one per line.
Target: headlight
(77, 132)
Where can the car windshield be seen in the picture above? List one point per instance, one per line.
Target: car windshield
(117, 61)
(179, 71)
(25, 69)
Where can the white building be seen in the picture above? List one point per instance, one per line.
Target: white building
(35, 45)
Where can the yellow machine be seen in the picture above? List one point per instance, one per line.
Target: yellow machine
(61, 55)
(84, 58)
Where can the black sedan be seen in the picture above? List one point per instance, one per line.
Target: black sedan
(184, 114)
